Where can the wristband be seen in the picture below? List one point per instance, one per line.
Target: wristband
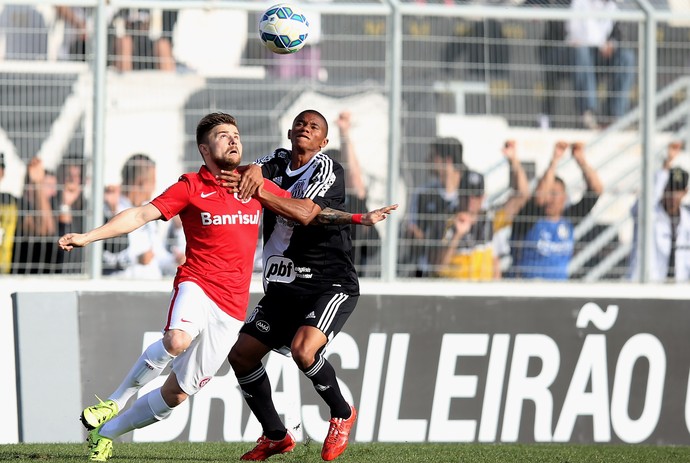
(65, 209)
(357, 218)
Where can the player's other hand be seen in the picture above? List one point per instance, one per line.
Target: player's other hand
(251, 180)
(377, 215)
(72, 240)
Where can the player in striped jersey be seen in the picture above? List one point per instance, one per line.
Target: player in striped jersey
(311, 286)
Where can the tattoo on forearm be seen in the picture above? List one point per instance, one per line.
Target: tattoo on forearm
(330, 216)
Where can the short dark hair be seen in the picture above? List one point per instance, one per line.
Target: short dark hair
(447, 148)
(209, 121)
(134, 167)
(317, 114)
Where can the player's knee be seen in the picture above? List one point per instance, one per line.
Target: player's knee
(238, 361)
(303, 358)
(176, 342)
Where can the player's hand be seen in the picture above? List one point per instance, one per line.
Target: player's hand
(72, 240)
(377, 215)
(229, 179)
(251, 180)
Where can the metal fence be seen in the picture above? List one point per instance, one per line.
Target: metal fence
(434, 91)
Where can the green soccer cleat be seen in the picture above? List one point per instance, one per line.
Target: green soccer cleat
(100, 447)
(96, 415)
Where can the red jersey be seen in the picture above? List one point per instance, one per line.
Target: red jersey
(221, 233)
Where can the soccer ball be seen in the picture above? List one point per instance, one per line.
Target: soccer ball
(283, 28)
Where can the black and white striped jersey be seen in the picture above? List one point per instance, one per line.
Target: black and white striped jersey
(300, 259)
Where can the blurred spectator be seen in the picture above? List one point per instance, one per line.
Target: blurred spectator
(77, 29)
(671, 250)
(36, 236)
(366, 243)
(504, 214)
(542, 239)
(175, 243)
(555, 58)
(466, 250)
(8, 223)
(597, 51)
(143, 39)
(479, 43)
(145, 255)
(71, 208)
(430, 206)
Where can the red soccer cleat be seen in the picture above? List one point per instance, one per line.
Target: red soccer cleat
(266, 447)
(338, 434)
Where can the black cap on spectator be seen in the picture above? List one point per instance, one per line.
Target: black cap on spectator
(472, 183)
(677, 180)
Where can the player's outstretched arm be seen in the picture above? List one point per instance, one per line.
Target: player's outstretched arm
(330, 216)
(121, 224)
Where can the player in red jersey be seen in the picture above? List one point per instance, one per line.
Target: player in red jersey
(211, 289)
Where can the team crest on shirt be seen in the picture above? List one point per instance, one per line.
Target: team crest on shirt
(243, 201)
(299, 188)
(563, 231)
(204, 381)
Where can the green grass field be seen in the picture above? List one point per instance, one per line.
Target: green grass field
(359, 453)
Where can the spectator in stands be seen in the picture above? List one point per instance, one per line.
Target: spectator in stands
(542, 239)
(597, 50)
(76, 30)
(37, 229)
(555, 58)
(175, 242)
(480, 45)
(8, 223)
(145, 255)
(145, 35)
(671, 249)
(71, 208)
(504, 214)
(366, 242)
(430, 206)
(466, 251)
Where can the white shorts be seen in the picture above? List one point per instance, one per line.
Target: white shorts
(213, 334)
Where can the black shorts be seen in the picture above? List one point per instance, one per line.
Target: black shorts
(276, 318)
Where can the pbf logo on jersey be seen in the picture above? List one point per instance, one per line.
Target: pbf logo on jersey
(279, 269)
